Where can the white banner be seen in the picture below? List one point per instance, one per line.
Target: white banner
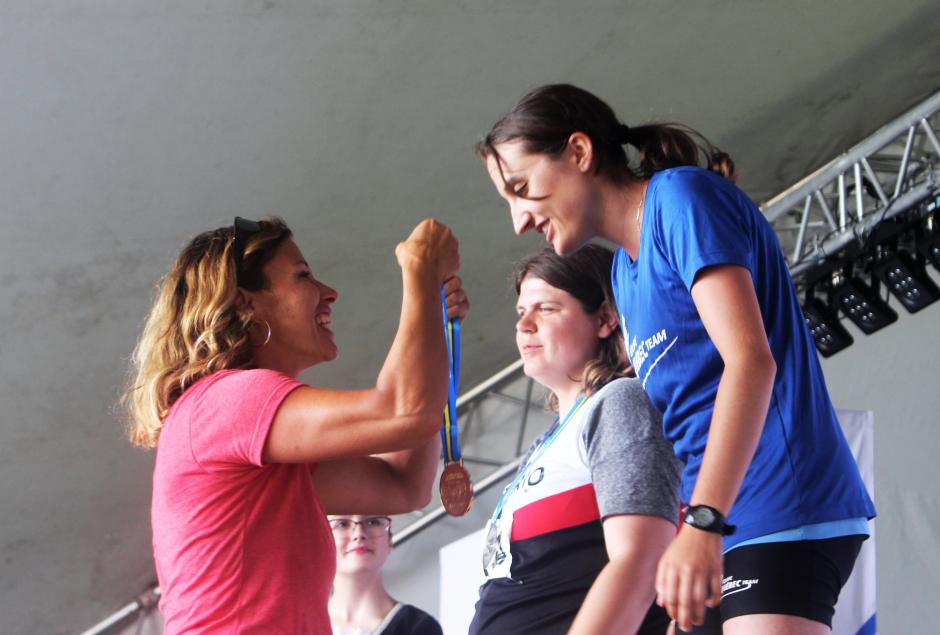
(461, 577)
(855, 612)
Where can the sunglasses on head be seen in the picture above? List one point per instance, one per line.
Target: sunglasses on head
(243, 229)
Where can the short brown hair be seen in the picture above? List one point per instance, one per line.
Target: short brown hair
(585, 275)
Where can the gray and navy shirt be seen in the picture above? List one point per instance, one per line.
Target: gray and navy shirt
(611, 458)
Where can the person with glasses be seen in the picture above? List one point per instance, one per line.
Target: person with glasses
(249, 459)
(360, 604)
(573, 543)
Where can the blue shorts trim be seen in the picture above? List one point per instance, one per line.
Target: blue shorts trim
(817, 531)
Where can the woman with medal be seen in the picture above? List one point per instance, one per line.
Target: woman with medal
(360, 604)
(249, 459)
(718, 340)
(575, 537)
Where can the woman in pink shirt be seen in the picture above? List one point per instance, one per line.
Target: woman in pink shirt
(249, 459)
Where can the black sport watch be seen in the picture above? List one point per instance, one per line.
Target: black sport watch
(707, 519)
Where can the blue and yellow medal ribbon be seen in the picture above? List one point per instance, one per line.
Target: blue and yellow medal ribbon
(450, 442)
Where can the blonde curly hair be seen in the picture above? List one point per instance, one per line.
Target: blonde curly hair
(195, 327)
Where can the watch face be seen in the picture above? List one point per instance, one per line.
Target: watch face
(702, 516)
(707, 515)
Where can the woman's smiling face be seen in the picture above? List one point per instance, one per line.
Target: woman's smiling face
(298, 308)
(556, 197)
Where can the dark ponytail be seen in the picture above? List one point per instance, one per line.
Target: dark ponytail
(668, 145)
(545, 117)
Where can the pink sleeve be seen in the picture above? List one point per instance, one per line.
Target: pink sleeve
(232, 415)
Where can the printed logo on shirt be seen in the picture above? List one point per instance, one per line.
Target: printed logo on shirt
(730, 586)
(640, 351)
(532, 478)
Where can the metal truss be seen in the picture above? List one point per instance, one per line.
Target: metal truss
(891, 172)
(131, 614)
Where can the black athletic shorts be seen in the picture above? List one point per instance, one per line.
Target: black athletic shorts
(801, 578)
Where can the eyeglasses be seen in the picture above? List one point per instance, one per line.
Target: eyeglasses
(243, 229)
(374, 526)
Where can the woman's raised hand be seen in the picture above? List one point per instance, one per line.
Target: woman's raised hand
(431, 247)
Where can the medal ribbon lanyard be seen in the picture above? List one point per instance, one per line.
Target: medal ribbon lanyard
(450, 443)
(455, 486)
(549, 438)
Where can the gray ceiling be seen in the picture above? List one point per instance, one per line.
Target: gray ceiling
(128, 126)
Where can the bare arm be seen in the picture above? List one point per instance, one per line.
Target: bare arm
(690, 570)
(623, 592)
(391, 483)
(404, 408)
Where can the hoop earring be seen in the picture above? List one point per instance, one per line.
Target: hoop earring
(267, 338)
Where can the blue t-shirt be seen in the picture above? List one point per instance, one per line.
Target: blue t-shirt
(803, 471)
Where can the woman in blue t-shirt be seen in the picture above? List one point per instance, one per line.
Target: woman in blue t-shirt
(715, 332)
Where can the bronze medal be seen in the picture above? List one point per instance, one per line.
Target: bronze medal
(456, 489)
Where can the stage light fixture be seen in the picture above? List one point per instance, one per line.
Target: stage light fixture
(860, 303)
(928, 242)
(930, 249)
(828, 333)
(908, 280)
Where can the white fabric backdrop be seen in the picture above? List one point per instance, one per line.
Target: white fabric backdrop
(855, 613)
(461, 577)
